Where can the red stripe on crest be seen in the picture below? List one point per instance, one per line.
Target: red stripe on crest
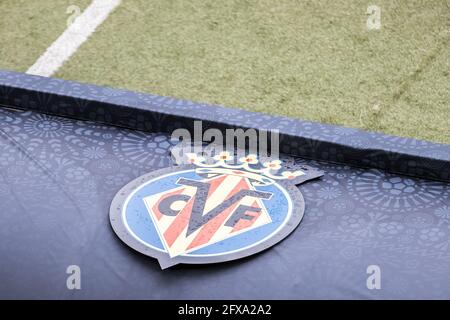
(243, 223)
(179, 224)
(211, 227)
(214, 184)
(182, 219)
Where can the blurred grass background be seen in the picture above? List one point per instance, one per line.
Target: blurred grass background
(312, 60)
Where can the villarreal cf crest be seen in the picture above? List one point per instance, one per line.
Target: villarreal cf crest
(210, 212)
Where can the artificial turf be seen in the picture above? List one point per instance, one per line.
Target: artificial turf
(313, 60)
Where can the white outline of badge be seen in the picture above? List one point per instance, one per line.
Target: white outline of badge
(286, 219)
(295, 216)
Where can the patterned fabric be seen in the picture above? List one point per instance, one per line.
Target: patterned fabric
(58, 177)
(163, 114)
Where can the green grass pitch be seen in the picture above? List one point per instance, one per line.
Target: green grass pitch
(313, 60)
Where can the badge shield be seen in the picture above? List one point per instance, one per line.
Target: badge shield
(206, 213)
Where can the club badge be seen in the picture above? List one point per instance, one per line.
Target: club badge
(210, 212)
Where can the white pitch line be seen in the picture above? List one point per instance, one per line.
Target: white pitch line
(77, 33)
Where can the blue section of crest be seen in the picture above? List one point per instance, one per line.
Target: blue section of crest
(140, 222)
